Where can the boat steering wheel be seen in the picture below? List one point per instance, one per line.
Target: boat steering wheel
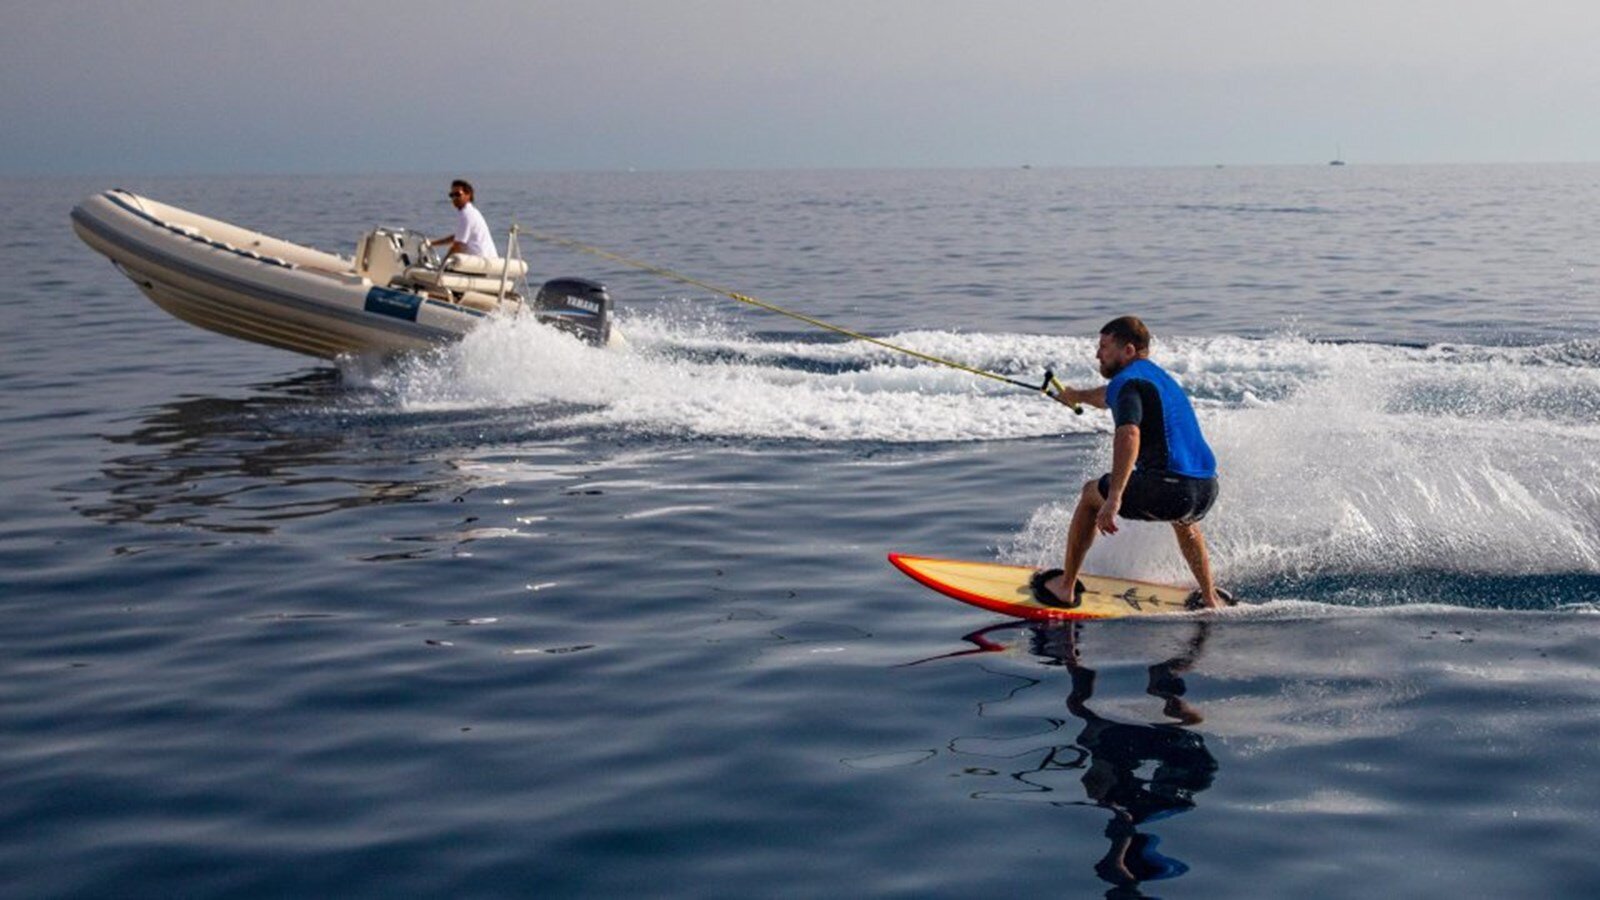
(426, 256)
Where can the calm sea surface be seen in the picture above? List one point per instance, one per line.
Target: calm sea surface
(529, 619)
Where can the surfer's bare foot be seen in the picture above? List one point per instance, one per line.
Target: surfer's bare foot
(1050, 588)
(1215, 599)
(1219, 599)
(1057, 586)
(1070, 592)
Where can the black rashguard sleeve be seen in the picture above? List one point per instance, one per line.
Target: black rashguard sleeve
(1129, 409)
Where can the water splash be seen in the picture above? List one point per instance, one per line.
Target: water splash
(1399, 460)
(1336, 459)
(690, 380)
(1378, 460)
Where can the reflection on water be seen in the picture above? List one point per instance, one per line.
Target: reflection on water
(289, 450)
(1140, 773)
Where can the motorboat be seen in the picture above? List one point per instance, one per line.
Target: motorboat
(393, 296)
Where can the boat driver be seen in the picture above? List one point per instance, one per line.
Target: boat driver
(472, 232)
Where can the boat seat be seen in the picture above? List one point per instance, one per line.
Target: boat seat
(465, 272)
(468, 264)
(478, 301)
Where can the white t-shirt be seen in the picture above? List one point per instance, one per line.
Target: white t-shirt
(473, 231)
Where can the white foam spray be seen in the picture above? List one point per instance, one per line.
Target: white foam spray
(692, 380)
(1335, 458)
(1373, 460)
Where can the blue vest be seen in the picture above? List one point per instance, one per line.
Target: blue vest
(1187, 451)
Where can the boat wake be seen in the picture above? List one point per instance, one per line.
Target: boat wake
(1366, 464)
(697, 379)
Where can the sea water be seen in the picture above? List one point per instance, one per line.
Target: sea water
(527, 618)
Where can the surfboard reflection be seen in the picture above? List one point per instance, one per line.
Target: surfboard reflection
(1141, 773)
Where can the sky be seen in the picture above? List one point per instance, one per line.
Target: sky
(166, 87)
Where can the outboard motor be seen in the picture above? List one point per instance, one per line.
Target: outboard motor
(576, 305)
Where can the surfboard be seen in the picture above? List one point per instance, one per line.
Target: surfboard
(1004, 589)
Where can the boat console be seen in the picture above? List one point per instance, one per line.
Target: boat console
(384, 254)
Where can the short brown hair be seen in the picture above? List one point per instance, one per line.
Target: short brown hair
(1129, 330)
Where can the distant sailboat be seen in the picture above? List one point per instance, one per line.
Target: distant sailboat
(1338, 156)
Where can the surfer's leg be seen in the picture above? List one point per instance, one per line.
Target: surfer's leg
(1192, 544)
(1080, 537)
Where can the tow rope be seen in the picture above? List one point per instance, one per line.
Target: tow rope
(1049, 386)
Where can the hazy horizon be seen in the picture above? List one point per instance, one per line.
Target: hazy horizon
(161, 87)
(504, 173)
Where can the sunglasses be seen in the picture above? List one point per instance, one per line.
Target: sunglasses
(455, 194)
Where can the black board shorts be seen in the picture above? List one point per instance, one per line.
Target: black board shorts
(1163, 497)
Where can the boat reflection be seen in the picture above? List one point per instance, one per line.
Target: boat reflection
(1140, 773)
(290, 450)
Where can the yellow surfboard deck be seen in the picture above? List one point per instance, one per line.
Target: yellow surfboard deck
(1004, 589)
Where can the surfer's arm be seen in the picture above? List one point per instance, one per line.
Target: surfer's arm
(1071, 396)
(1124, 452)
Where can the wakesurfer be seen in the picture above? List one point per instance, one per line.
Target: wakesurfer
(1162, 469)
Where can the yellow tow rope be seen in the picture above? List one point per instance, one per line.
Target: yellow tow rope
(1049, 386)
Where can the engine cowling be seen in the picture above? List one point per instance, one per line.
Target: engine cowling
(578, 306)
